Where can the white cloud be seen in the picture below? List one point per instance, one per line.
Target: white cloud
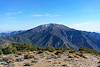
(13, 13)
(87, 26)
(44, 15)
(39, 15)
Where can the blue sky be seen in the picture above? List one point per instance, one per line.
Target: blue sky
(26, 14)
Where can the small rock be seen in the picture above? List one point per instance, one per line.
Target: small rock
(64, 65)
(27, 64)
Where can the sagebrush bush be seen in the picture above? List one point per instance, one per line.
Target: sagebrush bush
(9, 49)
(91, 51)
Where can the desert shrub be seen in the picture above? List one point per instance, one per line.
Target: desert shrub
(9, 49)
(91, 51)
(50, 49)
(34, 61)
(1, 52)
(86, 50)
(58, 52)
(9, 59)
(45, 49)
(15, 47)
(39, 52)
(28, 56)
(25, 47)
(71, 51)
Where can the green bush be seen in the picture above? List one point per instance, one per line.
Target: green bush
(13, 48)
(91, 51)
(9, 49)
(24, 47)
(1, 52)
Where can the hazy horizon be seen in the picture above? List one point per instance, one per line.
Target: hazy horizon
(23, 15)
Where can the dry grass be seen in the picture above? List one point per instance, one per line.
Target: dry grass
(51, 59)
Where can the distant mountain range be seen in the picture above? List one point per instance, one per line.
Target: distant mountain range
(54, 35)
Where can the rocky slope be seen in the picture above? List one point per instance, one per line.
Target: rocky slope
(49, 59)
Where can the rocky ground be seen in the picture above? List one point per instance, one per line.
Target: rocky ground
(49, 59)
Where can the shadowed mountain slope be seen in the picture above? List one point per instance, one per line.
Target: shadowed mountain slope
(56, 36)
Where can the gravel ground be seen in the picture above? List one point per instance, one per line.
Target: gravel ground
(50, 59)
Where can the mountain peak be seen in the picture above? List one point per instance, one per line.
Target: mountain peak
(56, 36)
(49, 25)
(52, 24)
(55, 26)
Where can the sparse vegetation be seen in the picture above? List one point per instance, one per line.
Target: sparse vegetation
(9, 49)
(86, 50)
(15, 47)
(24, 47)
(34, 57)
(1, 52)
(28, 56)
